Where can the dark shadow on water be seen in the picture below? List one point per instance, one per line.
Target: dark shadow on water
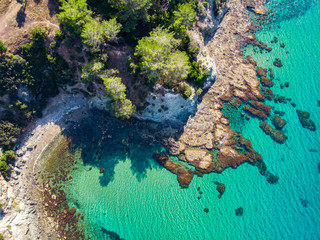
(21, 17)
(111, 235)
(105, 141)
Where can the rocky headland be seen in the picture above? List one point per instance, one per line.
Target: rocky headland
(207, 141)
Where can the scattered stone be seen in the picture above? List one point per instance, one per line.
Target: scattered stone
(276, 135)
(305, 121)
(275, 39)
(280, 99)
(286, 84)
(90, 168)
(272, 179)
(269, 94)
(101, 170)
(199, 197)
(278, 122)
(318, 103)
(277, 63)
(239, 211)
(206, 210)
(293, 104)
(200, 193)
(313, 150)
(282, 45)
(198, 188)
(281, 86)
(271, 73)
(319, 167)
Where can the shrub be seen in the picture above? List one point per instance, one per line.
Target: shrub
(199, 91)
(3, 48)
(8, 133)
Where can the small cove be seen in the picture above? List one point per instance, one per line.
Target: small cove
(135, 198)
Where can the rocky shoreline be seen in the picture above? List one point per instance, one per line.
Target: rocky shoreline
(207, 141)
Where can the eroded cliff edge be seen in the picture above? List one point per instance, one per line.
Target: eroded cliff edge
(207, 141)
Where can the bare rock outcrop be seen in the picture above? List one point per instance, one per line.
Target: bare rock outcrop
(207, 141)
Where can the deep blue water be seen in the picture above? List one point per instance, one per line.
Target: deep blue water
(138, 199)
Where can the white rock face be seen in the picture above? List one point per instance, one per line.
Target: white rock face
(168, 107)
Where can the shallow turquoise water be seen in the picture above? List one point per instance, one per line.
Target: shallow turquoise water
(137, 199)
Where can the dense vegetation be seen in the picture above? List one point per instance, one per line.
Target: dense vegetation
(157, 31)
(26, 83)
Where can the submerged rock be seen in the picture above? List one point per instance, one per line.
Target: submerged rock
(276, 135)
(304, 202)
(277, 63)
(206, 210)
(305, 121)
(221, 188)
(280, 113)
(272, 178)
(239, 211)
(278, 122)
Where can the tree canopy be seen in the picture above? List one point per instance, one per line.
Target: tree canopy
(159, 59)
(3, 48)
(130, 12)
(74, 14)
(183, 17)
(94, 33)
(121, 106)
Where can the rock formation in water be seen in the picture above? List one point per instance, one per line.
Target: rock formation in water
(208, 142)
(276, 135)
(239, 211)
(305, 121)
(278, 122)
(184, 175)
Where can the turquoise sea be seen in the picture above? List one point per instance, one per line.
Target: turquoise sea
(135, 198)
